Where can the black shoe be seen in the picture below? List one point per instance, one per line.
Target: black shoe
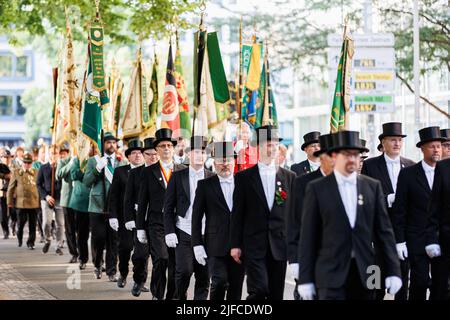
(112, 278)
(145, 289)
(98, 273)
(137, 288)
(103, 269)
(59, 252)
(20, 244)
(46, 247)
(122, 282)
(74, 259)
(30, 246)
(82, 266)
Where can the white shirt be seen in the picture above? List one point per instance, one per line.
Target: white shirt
(179, 160)
(132, 166)
(112, 157)
(393, 166)
(349, 194)
(429, 173)
(227, 186)
(185, 223)
(314, 165)
(268, 174)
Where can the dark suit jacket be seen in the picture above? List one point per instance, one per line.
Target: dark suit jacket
(295, 215)
(409, 216)
(117, 192)
(301, 168)
(438, 230)
(376, 168)
(132, 188)
(151, 196)
(177, 198)
(44, 182)
(254, 228)
(210, 203)
(327, 239)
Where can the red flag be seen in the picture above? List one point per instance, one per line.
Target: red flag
(170, 117)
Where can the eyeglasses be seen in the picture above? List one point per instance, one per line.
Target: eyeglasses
(148, 154)
(162, 146)
(446, 145)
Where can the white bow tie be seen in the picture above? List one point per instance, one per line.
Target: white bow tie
(350, 181)
(168, 166)
(397, 161)
(196, 174)
(226, 180)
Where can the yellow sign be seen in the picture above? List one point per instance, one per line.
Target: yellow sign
(367, 76)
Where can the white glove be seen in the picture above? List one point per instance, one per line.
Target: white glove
(390, 199)
(433, 250)
(142, 237)
(307, 291)
(200, 255)
(114, 224)
(101, 163)
(239, 146)
(171, 240)
(130, 225)
(294, 267)
(393, 284)
(402, 250)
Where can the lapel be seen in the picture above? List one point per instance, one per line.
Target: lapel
(382, 166)
(185, 181)
(422, 178)
(307, 167)
(218, 190)
(158, 175)
(257, 185)
(279, 177)
(360, 191)
(334, 194)
(403, 163)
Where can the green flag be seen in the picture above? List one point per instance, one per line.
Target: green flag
(266, 112)
(183, 104)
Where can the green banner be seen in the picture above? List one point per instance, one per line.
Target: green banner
(96, 55)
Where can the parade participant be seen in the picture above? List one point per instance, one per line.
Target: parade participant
(342, 215)
(438, 229)
(213, 204)
(262, 199)
(63, 175)
(5, 176)
(180, 156)
(6, 159)
(37, 163)
(311, 144)
(150, 221)
(50, 194)
(178, 202)
(40, 159)
(130, 203)
(98, 178)
(300, 183)
(364, 156)
(116, 205)
(247, 154)
(23, 186)
(282, 157)
(386, 168)
(18, 158)
(409, 216)
(445, 133)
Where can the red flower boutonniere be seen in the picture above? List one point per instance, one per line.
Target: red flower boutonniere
(280, 194)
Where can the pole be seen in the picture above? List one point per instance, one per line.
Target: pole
(416, 63)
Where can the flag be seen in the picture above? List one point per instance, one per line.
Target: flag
(185, 117)
(252, 77)
(95, 93)
(170, 117)
(266, 113)
(111, 114)
(341, 98)
(152, 101)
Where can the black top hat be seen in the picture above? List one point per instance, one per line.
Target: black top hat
(309, 138)
(445, 133)
(133, 145)
(392, 129)
(267, 133)
(197, 142)
(325, 144)
(429, 134)
(223, 149)
(363, 143)
(380, 147)
(343, 140)
(148, 143)
(163, 134)
(109, 136)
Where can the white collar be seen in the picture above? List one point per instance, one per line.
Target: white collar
(265, 167)
(166, 165)
(112, 156)
(341, 179)
(390, 160)
(230, 179)
(426, 167)
(192, 171)
(132, 166)
(314, 164)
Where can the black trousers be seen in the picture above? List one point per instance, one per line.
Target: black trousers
(125, 249)
(265, 277)
(227, 276)
(13, 217)
(82, 235)
(39, 221)
(70, 227)
(421, 267)
(24, 216)
(139, 258)
(353, 288)
(4, 216)
(185, 266)
(103, 238)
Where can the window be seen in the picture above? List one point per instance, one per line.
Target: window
(10, 105)
(14, 67)
(6, 106)
(22, 66)
(5, 66)
(20, 110)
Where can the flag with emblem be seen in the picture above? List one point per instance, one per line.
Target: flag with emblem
(170, 115)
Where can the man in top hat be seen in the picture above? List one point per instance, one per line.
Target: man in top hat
(247, 155)
(262, 199)
(150, 221)
(364, 156)
(342, 215)
(438, 228)
(116, 205)
(409, 216)
(49, 188)
(178, 203)
(22, 186)
(5, 176)
(98, 178)
(386, 169)
(180, 156)
(300, 183)
(130, 204)
(311, 144)
(445, 133)
(212, 212)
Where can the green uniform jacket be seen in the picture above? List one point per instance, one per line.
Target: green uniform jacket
(63, 175)
(99, 191)
(79, 199)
